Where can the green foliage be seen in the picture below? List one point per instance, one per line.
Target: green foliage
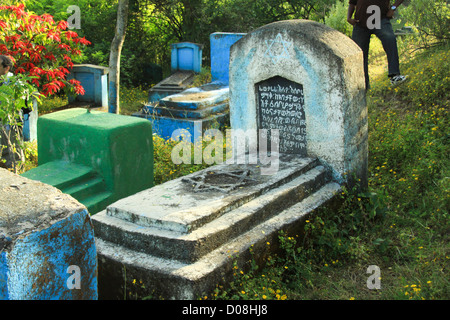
(337, 18)
(251, 283)
(202, 78)
(41, 48)
(410, 138)
(431, 19)
(155, 24)
(165, 169)
(13, 93)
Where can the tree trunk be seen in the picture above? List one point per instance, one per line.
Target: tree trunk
(114, 59)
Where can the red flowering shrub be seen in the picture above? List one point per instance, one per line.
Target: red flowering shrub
(40, 48)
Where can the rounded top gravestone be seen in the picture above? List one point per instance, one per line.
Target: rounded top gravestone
(307, 80)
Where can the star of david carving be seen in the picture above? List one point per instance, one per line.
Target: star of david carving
(274, 46)
(238, 178)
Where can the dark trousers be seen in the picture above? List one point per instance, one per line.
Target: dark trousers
(386, 34)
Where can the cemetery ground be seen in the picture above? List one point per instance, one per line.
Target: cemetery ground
(400, 225)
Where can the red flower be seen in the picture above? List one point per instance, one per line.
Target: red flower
(50, 88)
(50, 74)
(35, 57)
(50, 57)
(29, 65)
(80, 90)
(41, 48)
(53, 36)
(3, 48)
(19, 10)
(71, 34)
(62, 25)
(64, 46)
(47, 18)
(36, 82)
(36, 71)
(85, 42)
(74, 82)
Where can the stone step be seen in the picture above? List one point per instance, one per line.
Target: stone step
(97, 202)
(172, 279)
(180, 205)
(60, 174)
(81, 182)
(192, 246)
(86, 188)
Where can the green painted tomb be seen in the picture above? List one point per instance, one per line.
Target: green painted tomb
(96, 157)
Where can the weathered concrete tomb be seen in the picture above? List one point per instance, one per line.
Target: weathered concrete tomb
(47, 245)
(296, 84)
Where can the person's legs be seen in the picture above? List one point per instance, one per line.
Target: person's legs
(389, 41)
(361, 36)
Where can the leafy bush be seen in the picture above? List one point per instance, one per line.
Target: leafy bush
(40, 48)
(337, 18)
(431, 18)
(13, 95)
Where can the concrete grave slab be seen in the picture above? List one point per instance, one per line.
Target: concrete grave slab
(180, 238)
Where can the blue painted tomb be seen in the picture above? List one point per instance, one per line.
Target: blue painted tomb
(192, 109)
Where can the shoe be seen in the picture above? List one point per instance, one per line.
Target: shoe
(396, 80)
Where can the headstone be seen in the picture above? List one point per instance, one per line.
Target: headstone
(96, 157)
(94, 80)
(221, 43)
(47, 245)
(186, 56)
(306, 80)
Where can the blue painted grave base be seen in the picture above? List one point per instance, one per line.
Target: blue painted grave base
(166, 126)
(158, 111)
